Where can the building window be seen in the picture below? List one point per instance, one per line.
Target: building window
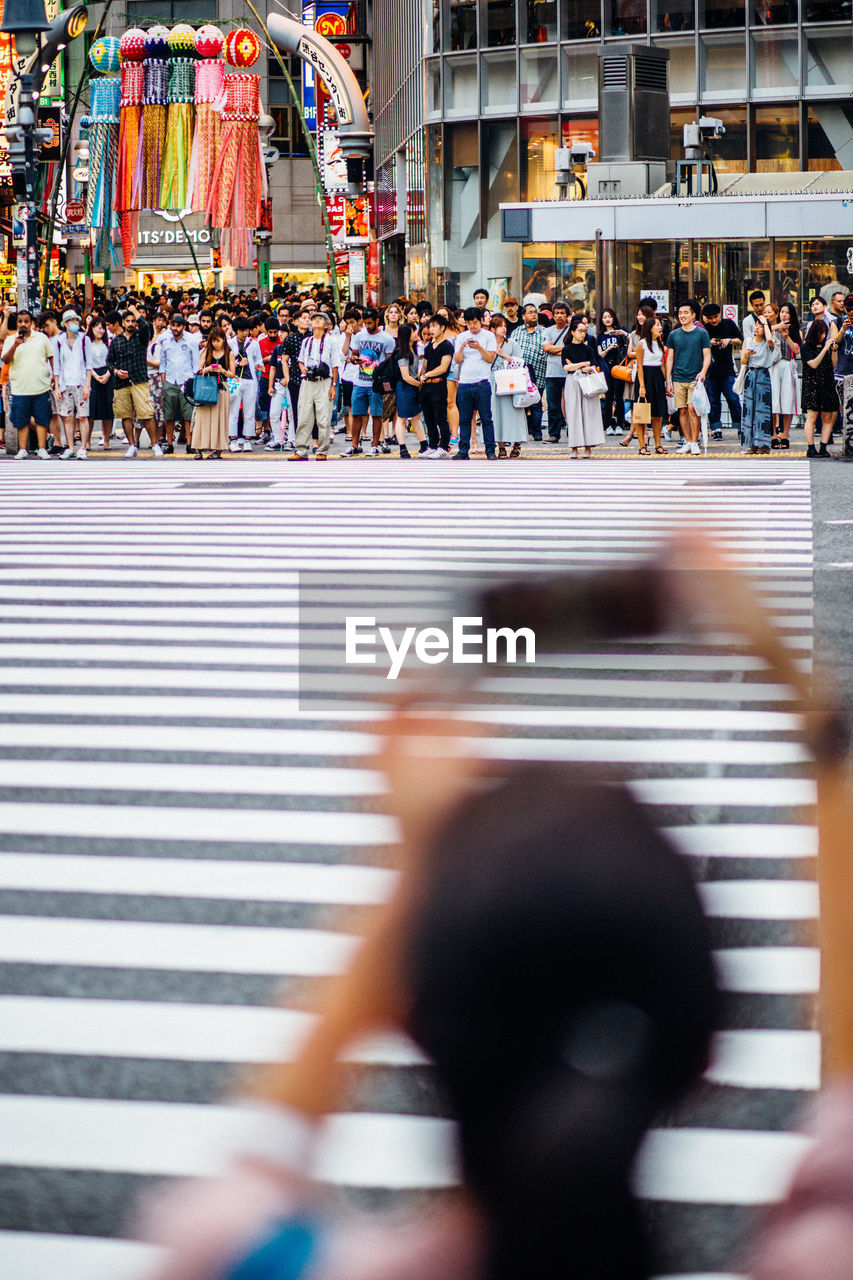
(433, 87)
(539, 79)
(463, 24)
(777, 140)
(538, 143)
(627, 17)
(581, 19)
(829, 140)
(828, 63)
(460, 87)
(500, 23)
(144, 12)
(541, 23)
(539, 272)
(827, 10)
(775, 63)
(501, 159)
(714, 14)
(729, 153)
(722, 67)
(580, 76)
(674, 15)
(682, 68)
(288, 136)
(773, 13)
(499, 83)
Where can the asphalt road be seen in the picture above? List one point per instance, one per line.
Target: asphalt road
(179, 831)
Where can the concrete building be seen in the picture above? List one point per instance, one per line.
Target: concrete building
(478, 95)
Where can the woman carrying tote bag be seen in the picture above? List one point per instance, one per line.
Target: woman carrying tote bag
(210, 421)
(510, 422)
(582, 413)
(651, 387)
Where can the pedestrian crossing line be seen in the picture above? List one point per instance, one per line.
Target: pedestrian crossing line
(756, 900)
(268, 781)
(240, 1035)
(204, 948)
(88, 739)
(362, 1150)
(109, 998)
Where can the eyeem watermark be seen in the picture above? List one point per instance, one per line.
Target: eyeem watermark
(467, 642)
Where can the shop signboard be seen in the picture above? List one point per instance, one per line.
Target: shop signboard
(334, 166)
(661, 297)
(356, 220)
(372, 287)
(336, 209)
(357, 272)
(51, 148)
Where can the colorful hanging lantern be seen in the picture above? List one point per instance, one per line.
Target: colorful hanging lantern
(209, 84)
(130, 128)
(174, 180)
(242, 48)
(155, 96)
(239, 179)
(209, 41)
(105, 97)
(104, 55)
(182, 41)
(157, 42)
(132, 45)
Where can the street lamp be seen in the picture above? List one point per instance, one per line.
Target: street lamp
(26, 20)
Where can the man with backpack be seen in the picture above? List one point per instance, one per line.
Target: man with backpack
(369, 348)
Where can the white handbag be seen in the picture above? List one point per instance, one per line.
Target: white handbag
(592, 384)
(527, 398)
(512, 380)
(740, 381)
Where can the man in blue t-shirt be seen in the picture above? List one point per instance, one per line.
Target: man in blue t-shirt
(367, 349)
(688, 356)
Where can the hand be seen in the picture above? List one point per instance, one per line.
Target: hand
(669, 390)
(122, 373)
(332, 393)
(700, 377)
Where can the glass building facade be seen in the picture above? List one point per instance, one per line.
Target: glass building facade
(503, 84)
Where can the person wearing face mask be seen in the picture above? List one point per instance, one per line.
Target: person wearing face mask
(73, 384)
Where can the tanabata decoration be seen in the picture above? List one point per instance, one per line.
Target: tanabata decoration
(131, 53)
(209, 83)
(239, 178)
(104, 55)
(242, 48)
(104, 97)
(155, 95)
(174, 181)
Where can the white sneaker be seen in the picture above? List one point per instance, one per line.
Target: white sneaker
(130, 452)
(429, 453)
(694, 448)
(618, 431)
(234, 446)
(82, 455)
(42, 453)
(66, 454)
(442, 453)
(664, 435)
(158, 451)
(373, 451)
(610, 431)
(247, 446)
(684, 447)
(21, 455)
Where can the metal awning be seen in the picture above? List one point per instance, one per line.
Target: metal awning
(750, 206)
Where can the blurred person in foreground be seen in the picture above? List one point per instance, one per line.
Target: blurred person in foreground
(542, 904)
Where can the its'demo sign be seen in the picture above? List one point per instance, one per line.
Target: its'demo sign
(466, 642)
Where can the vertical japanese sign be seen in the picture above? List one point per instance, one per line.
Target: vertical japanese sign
(53, 85)
(330, 18)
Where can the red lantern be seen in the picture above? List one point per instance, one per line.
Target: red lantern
(242, 48)
(132, 45)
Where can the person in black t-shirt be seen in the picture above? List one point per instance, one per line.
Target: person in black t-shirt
(720, 380)
(437, 359)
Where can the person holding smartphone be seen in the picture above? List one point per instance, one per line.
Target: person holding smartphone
(210, 423)
(759, 352)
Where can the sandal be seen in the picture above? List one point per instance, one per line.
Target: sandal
(623, 444)
(501, 450)
(515, 451)
(659, 449)
(784, 443)
(775, 443)
(199, 457)
(644, 452)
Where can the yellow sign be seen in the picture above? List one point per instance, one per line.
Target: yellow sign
(7, 277)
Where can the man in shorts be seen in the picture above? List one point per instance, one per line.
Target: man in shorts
(127, 357)
(688, 357)
(73, 382)
(367, 349)
(29, 355)
(178, 363)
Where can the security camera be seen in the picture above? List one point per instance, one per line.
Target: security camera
(710, 127)
(578, 153)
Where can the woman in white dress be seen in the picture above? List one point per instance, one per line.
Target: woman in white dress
(510, 423)
(783, 374)
(582, 413)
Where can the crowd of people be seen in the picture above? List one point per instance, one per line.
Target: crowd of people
(218, 372)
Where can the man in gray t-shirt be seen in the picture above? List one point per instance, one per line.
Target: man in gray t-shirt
(555, 377)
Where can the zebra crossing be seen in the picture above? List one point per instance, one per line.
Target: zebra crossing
(182, 836)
